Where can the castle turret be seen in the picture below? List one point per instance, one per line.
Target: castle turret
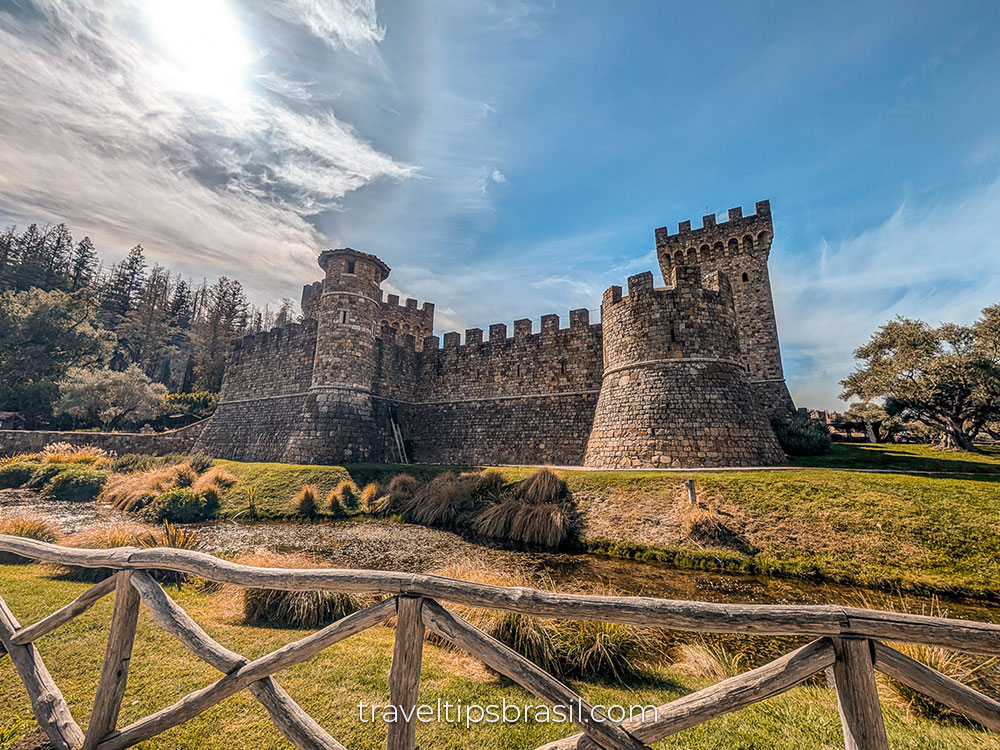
(740, 248)
(674, 391)
(337, 423)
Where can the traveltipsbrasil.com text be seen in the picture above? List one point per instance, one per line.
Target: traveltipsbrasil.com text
(502, 713)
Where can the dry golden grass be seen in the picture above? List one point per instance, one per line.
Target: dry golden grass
(216, 478)
(118, 534)
(529, 636)
(27, 526)
(978, 672)
(345, 494)
(549, 525)
(542, 487)
(709, 660)
(131, 492)
(400, 491)
(65, 453)
(293, 609)
(306, 501)
(442, 501)
(369, 497)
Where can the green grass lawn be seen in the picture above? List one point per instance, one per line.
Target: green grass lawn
(916, 532)
(905, 458)
(330, 686)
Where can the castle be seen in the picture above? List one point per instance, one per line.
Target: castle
(686, 375)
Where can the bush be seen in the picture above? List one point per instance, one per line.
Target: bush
(215, 477)
(28, 527)
(76, 485)
(802, 437)
(181, 505)
(14, 475)
(488, 487)
(43, 474)
(306, 503)
(344, 495)
(293, 609)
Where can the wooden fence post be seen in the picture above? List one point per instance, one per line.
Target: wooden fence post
(857, 695)
(404, 675)
(114, 672)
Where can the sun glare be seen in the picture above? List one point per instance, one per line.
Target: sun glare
(205, 48)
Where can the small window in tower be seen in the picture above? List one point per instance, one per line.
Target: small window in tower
(350, 266)
(746, 277)
(562, 367)
(343, 316)
(673, 335)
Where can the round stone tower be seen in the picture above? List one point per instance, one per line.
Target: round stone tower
(675, 393)
(337, 423)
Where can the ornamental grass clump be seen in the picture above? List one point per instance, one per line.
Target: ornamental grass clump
(345, 494)
(529, 636)
(594, 650)
(132, 492)
(108, 536)
(182, 505)
(29, 527)
(539, 513)
(293, 609)
(445, 501)
(400, 491)
(978, 672)
(65, 453)
(306, 501)
(370, 494)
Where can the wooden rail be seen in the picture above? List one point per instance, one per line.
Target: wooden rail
(847, 640)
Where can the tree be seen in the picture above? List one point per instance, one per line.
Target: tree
(83, 267)
(9, 256)
(144, 331)
(124, 284)
(109, 399)
(947, 378)
(42, 335)
(57, 252)
(224, 318)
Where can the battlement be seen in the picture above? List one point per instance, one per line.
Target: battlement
(739, 234)
(579, 320)
(277, 338)
(686, 284)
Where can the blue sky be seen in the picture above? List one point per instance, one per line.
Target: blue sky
(511, 158)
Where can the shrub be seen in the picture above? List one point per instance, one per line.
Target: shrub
(29, 527)
(547, 525)
(441, 502)
(527, 635)
(400, 491)
(181, 505)
(802, 437)
(216, 478)
(293, 609)
(305, 502)
(43, 474)
(132, 492)
(488, 487)
(15, 475)
(76, 485)
(65, 453)
(543, 486)
(589, 649)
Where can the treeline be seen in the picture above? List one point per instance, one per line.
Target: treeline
(63, 309)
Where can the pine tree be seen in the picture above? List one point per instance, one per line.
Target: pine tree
(57, 253)
(124, 284)
(31, 258)
(224, 319)
(9, 256)
(83, 267)
(181, 306)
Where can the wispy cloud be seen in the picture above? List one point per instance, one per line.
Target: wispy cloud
(99, 130)
(936, 263)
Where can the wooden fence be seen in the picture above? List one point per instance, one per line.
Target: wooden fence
(848, 641)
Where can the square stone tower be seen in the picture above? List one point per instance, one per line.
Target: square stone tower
(740, 248)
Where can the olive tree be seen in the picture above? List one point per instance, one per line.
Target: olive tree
(108, 398)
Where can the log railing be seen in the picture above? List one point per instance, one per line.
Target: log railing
(847, 641)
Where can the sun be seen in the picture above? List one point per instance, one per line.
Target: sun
(205, 49)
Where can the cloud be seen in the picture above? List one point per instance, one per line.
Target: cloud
(97, 129)
(936, 263)
(498, 177)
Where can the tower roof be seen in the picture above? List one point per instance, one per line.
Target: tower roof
(326, 255)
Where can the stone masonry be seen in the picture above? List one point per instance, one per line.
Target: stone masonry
(680, 376)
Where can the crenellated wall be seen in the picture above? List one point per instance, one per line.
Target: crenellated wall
(680, 376)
